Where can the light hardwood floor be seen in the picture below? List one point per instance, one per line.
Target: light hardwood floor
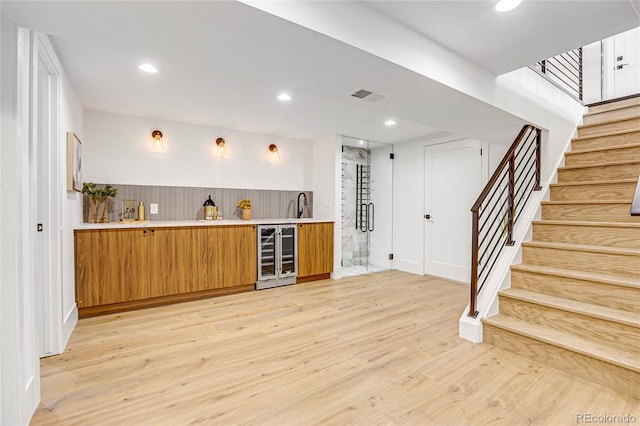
(373, 349)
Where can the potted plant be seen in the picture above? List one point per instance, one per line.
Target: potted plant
(245, 206)
(98, 201)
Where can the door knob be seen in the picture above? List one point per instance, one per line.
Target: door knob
(427, 216)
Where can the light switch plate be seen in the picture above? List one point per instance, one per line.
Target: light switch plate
(153, 208)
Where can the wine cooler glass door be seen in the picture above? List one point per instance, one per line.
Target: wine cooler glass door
(267, 250)
(288, 251)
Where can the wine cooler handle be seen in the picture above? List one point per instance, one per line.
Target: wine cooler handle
(371, 219)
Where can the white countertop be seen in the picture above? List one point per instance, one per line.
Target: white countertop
(175, 223)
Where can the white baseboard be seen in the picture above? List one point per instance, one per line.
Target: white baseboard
(68, 325)
(409, 266)
(450, 271)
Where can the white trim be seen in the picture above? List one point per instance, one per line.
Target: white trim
(56, 324)
(68, 325)
(450, 271)
(409, 266)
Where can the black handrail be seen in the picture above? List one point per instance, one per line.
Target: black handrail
(497, 208)
(565, 70)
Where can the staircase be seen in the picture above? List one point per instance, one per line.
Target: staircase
(574, 302)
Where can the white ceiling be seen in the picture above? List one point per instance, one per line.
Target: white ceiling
(503, 42)
(223, 63)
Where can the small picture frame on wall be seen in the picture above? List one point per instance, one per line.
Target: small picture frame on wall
(74, 162)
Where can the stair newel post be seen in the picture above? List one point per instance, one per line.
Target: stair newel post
(473, 297)
(537, 187)
(511, 202)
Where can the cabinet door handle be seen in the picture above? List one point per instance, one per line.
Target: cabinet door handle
(144, 232)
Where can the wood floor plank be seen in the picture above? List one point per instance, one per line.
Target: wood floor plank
(375, 349)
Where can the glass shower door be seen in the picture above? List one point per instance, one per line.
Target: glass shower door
(379, 212)
(366, 206)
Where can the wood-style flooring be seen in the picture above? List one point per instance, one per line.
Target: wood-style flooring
(373, 349)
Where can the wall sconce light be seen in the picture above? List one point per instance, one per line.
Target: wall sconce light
(157, 144)
(274, 155)
(220, 147)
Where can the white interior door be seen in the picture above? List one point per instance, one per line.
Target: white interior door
(44, 206)
(453, 181)
(621, 64)
(627, 67)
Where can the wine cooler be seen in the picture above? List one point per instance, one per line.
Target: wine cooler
(277, 255)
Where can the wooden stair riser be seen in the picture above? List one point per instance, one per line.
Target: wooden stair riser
(614, 114)
(615, 105)
(618, 378)
(613, 212)
(631, 124)
(610, 236)
(599, 173)
(587, 291)
(604, 191)
(606, 141)
(590, 261)
(579, 158)
(595, 329)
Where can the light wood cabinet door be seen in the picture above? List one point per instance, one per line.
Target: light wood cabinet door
(232, 256)
(315, 249)
(178, 261)
(111, 266)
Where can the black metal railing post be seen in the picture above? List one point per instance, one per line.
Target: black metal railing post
(511, 200)
(537, 187)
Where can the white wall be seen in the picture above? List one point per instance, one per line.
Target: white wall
(71, 120)
(409, 190)
(522, 93)
(2, 246)
(117, 149)
(326, 156)
(324, 176)
(592, 73)
(19, 360)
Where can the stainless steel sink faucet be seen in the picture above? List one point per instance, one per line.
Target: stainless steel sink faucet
(301, 207)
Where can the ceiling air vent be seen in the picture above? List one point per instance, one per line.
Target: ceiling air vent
(367, 95)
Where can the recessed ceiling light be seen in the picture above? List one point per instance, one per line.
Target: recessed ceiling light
(361, 142)
(284, 97)
(148, 68)
(390, 123)
(507, 5)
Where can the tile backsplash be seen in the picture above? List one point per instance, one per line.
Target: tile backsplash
(185, 203)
